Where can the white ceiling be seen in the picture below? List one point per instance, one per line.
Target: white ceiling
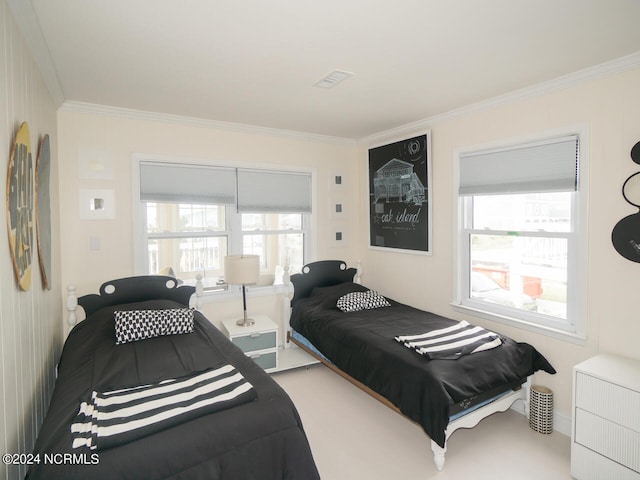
(255, 62)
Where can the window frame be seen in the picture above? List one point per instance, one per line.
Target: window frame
(173, 235)
(233, 219)
(576, 331)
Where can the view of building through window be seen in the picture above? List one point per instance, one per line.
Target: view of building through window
(518, 247)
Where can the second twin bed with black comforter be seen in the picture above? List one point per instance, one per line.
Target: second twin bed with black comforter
(373, 341)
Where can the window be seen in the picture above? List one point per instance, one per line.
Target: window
(192, 216)
(185, 239)
(278, 238)
(519, 234)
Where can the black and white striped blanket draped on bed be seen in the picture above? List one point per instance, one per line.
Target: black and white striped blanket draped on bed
(119, 416)
(451, 342)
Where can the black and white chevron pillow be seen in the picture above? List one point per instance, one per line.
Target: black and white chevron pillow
(355, 301)
(134, 325)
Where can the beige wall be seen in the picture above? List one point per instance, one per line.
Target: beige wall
(609, 107)
(115, 139)
(30, 321)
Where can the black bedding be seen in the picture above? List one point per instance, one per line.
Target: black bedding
(260, 439)
(362, 344)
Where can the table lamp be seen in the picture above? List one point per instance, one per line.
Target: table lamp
(242, 270)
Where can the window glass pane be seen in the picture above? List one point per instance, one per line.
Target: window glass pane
(549, 212)
(186, 257)
(271, 221)
(152, 217)
(528, 273)
(276, 251)
(174, 217)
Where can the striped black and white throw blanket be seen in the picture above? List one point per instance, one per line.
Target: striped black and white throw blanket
(451, 342)
(119, 416)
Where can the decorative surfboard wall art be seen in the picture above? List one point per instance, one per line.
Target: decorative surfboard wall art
(20, 206)
(626, 234)
(43, 210)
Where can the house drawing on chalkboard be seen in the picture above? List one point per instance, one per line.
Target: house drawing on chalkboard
(396, 181)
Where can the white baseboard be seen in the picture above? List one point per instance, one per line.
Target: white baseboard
(561, 422)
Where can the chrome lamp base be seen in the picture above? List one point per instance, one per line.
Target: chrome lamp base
(245, 322)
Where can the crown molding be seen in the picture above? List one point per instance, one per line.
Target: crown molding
(26, 19)
(109, 111)
(607, 69)
(27, 22)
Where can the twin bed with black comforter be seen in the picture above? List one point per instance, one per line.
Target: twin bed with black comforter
(149, 389)
(438, 372)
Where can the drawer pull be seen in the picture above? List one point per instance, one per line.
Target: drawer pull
(254, 335)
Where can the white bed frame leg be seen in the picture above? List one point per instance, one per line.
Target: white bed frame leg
(72, 305)
(438, 454)
(471, 419)
(527, 396)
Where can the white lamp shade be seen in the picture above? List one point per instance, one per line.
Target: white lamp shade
(242, 269)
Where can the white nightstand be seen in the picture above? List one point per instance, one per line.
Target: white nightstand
(258, 341)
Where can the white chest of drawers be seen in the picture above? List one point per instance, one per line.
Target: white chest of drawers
(605, 438)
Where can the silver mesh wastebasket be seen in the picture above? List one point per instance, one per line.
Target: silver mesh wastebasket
(541, 409)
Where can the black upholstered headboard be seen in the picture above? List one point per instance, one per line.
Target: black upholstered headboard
(136, 289)
(320, 274)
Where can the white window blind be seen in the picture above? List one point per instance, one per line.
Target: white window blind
(180, 183)
(548, 166)
(272, 191)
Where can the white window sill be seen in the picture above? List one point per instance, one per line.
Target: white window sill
(236, 290)
(524, 325)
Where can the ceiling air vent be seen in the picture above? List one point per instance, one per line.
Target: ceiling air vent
(333, 79)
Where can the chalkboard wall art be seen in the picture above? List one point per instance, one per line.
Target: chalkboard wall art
(399, 195)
